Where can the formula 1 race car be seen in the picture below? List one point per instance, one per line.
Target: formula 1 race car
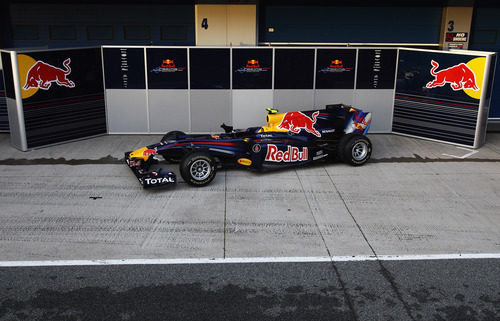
(288, 139)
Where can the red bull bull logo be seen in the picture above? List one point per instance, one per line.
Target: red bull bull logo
(459, 77)
(336, 64)
(168, 63)
(149, 152)
(253, 64)
(296, 121)
(42, 75)
(292, 154)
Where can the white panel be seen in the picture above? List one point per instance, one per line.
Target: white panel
(325, 97)
(168, 110)
(249, 107)
(216, 21)
(209, 109)
(380, 103)
(241, 25)
(286, 100)
(127, 110)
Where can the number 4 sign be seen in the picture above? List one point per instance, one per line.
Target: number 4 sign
(204, 23)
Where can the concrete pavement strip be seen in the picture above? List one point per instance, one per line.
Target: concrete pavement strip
(78, 202)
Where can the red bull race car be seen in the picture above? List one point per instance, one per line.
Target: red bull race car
(337, 132)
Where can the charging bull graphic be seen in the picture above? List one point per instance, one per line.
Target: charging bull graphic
(296, 121)
(42, 75)
(459, 77)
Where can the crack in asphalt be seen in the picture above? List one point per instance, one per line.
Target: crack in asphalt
(383, 270)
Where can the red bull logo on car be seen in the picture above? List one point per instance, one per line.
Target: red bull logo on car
(296, 121)
(42, 75)
(292, 154)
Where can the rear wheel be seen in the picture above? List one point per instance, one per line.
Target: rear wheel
(355, 149)
(198, 168)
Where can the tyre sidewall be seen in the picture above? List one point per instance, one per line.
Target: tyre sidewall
(348, 148)
(187, 162)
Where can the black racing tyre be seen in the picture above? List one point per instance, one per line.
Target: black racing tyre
(355, 149)
(198, 168)
(174, 134)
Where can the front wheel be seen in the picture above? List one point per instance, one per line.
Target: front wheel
(198, 169)
(355, 149)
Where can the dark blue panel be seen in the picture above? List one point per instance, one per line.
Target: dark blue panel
(487, 19)
(167, 68)
(294, 69)
(252, 68)
(351, 24)
(124, 68)
(376, 68)
(335, 68)
(210, 68)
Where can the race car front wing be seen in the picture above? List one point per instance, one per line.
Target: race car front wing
(149, 179)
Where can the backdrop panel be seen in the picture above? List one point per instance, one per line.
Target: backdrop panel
(209, 109)
(335, 68)
(62, 95)
(168, 110)
(376, 68)
(249, 107)
(127, 111)
(124, 68)
(252, 68)
(441, 96)
(167, 68)
(294, 69)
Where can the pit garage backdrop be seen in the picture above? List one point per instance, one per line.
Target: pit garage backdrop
(195, 89)
(58, 95)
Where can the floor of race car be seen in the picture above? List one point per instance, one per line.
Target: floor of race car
(79, 201)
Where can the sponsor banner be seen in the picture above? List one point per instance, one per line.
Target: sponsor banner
(335, 68)
(376, 68)
(167, 68)
(62, 95)
(124, 68)
(438, 95)
(62, 74)
(252, 68)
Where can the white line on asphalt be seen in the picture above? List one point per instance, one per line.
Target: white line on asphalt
(305, 259)
(471, 152)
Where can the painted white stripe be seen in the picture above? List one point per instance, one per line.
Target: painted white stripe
(305, 259)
